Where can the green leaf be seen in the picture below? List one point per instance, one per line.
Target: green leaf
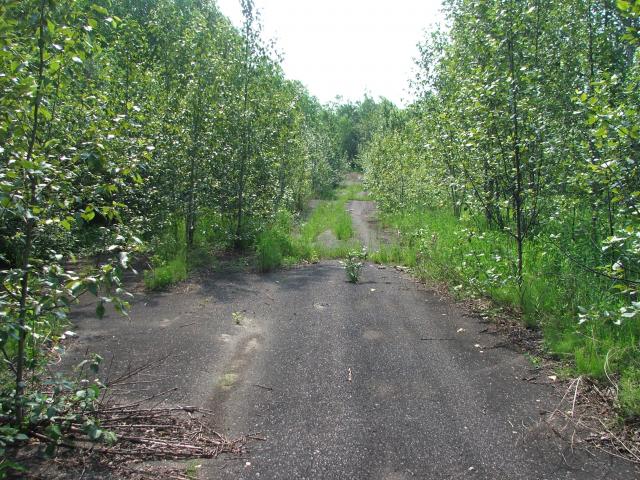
(94, 432)
(92, 287)
(109, 438)
(100, 9)
(75, 286)
(88, 216)
(9, 464)
(601, 132)
(54, 431)
(623, 5)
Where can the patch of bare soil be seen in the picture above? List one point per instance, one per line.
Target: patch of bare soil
(365, 222)
(328, 239)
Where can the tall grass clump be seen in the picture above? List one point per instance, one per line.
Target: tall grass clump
(342, 225)
(629, 393)
(167, 273)
(169, 260)
(273, 244)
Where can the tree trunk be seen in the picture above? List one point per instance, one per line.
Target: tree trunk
(30, 225)
(244, 158)
(517, 162)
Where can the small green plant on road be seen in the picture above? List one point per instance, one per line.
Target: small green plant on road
(192, 470)
(353, 265)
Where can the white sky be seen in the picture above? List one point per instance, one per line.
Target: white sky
(346, 47)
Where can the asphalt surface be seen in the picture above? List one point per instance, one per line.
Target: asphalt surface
(365, 224)
(379, 380)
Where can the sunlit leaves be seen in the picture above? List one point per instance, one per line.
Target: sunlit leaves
(568, 69)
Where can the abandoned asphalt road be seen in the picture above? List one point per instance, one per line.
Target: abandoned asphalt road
(374, 380)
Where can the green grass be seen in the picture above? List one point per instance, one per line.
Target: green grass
(169, 273)
(351, 192)
(191, 470)
(285, 243)
(269, 251)
(395, 254)
(328, 215)
(280, 242)
(274, 244)
(171, 262)
(629, 393)
(474, 259)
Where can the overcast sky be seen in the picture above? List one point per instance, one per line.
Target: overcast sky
(346, 47)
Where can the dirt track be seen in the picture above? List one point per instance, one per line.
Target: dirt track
(365, 223)
(380, 380)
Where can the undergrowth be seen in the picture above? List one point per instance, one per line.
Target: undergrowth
(286, 239)
(171, 260)
(287, 242)
(166, 273)
(274, 244)
(566, 302)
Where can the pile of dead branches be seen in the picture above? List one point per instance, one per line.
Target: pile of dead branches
(127, 436)
(149, 429)
(143, 435)
(159, 433)
(586, 416)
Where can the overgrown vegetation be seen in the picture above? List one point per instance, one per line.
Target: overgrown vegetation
(353, 265)
(167, 273)
(516, 173)
(326, 232)
(274, 245)
(152, 129)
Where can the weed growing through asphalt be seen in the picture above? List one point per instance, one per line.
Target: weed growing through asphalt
(228, 380)
(192, 470)
(353, 265)
(534, 360)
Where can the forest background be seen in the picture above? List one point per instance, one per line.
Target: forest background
(153, 132)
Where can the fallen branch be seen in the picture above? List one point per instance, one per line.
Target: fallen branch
(142, 435)
(585, 421)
